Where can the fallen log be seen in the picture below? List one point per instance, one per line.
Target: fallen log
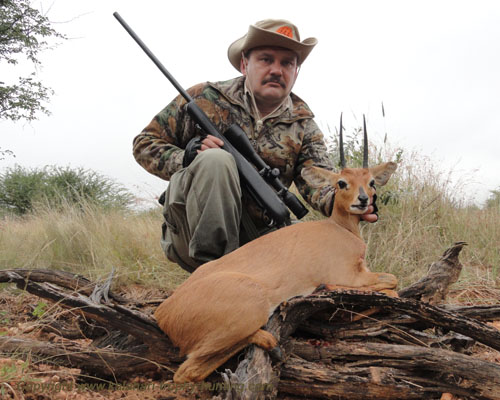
(63, 279)
(384, 355)
(426, 313)
(153, 347)
(312, 380)
(433, 370)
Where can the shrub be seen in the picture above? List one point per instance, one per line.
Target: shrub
(493, 202)
(21, 189)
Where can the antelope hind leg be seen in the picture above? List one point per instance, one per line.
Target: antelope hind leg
(198, 367)
(264, 339)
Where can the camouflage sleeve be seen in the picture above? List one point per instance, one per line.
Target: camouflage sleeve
(159, 148)
(314, 153)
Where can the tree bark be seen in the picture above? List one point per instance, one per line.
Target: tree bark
(412, 370)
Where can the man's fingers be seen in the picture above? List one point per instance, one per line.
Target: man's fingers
(211, 142)
(368, 216)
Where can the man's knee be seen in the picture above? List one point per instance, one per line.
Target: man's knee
(214, 159)
(215, 169)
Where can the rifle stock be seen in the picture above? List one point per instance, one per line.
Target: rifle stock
(253, 181)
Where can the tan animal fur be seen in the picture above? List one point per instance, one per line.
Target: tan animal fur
(223, 305)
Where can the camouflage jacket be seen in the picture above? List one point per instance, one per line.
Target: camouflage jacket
(288, 141)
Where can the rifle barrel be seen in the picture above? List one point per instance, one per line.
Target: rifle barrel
(153, 58)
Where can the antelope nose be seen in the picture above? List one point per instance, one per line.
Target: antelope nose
(363, 198)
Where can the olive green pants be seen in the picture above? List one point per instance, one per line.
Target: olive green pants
(202, 210)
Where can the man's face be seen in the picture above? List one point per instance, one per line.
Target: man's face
(271, 74)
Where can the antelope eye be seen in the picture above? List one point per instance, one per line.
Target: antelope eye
(372, 183)
(342, 184)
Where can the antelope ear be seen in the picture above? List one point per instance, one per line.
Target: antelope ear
(381, 173)
(318, 177)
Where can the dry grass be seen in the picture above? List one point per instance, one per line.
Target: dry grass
(90, 241)
(423, 215)
(426, 213)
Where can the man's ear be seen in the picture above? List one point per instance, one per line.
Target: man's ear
(297, 70)
(381, 173)
(243, 65)
(318, 177)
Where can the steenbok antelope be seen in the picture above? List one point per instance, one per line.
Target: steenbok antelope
(223, 305)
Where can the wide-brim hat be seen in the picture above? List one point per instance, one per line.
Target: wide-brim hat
(271, 32)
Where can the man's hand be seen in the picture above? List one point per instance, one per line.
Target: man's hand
(196, 145)
(369, 216)
(210, 142)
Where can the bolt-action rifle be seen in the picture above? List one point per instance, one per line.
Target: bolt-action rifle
(256, 182)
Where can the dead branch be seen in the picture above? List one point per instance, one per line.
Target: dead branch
(433, 288)
(92, 360)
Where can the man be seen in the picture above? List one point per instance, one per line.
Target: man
(206, 213)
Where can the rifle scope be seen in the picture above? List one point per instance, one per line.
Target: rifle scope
(239, 139)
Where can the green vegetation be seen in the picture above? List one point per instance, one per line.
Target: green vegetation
(22, 189)
(24, 33)
(494, 199)
(40, 309)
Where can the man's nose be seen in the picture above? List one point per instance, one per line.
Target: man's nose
(276, 68)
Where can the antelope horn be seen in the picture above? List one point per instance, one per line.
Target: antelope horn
(365, 144)
(341, 145)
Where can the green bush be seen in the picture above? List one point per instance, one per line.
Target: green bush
(493, 202)
(21, 189)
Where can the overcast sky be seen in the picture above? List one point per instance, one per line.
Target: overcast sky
(434, 65)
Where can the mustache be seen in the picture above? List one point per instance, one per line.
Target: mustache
(274, 80)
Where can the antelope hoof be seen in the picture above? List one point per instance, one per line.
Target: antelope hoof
(320, 288)
(389, 292)
(276, 354)
(386, 281)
